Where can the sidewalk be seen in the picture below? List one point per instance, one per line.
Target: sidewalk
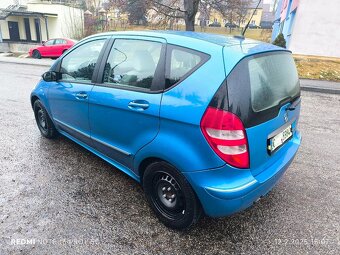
(308, 85)
(27, 61)
(320, 86)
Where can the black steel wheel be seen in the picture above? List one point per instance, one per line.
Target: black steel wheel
(36, 54)
(171, 196)
(43, 120)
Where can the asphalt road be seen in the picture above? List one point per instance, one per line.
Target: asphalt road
(58, 198)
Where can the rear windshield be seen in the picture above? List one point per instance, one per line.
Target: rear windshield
(260, 84)
(272, 78)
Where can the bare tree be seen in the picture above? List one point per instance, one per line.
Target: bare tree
(74, 24)
(204, 14)
(242, 10)
(187, 9)
(178, 9)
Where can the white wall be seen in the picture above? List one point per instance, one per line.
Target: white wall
(64, 22)
(316, 28)
(69, 22)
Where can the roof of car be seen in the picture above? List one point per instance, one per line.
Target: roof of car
(204, 42)
(221, 40)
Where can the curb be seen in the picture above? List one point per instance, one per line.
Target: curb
(20, 62)
(320, 86)
(321, 90)
(28, 64)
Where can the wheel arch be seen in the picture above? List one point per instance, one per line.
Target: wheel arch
(33, 99)
(36, 50)
(145, 163)
(150, 160)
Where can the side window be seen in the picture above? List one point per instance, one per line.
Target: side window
(132, 63)
(49, 43)
(79, 64)
(60, 41)
(181, 62)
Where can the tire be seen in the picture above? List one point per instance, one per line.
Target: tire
(36, 54)
(171, 196)
(43, 120)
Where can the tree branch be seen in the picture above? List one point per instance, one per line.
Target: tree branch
(168, 7)
(167, 14)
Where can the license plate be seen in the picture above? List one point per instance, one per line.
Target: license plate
(279, 139)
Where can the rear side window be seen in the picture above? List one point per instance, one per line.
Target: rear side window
(60, 41)
(272, 78)
(132, 63)
(79, 64)
(181, 62)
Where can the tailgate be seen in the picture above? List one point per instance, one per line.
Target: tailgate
(264, 91)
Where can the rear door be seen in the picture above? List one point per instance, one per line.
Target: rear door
(124, 106)
(264, 91)
(58, 47)
(69, 96)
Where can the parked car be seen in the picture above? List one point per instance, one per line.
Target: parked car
(200, 130)
(231, 25)
(253, 26)
(215, 24)
(53, 48)
(266, 24)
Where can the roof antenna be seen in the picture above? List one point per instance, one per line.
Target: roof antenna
(241, 36)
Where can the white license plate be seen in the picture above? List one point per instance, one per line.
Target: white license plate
(280, 138)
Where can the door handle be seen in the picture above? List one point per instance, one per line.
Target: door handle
(138, 105)
(81, 95)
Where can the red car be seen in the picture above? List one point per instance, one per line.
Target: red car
(53, 48)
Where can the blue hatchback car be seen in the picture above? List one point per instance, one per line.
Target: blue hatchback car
(206, 123)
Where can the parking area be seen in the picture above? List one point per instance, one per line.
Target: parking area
(58, 198)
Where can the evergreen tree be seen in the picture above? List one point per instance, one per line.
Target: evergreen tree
(280, 41)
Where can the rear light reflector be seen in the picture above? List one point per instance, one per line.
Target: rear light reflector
(232, 150)
(226, 135)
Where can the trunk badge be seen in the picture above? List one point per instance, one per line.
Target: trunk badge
(285, 117)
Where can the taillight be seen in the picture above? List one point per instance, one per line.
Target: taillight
(225, 133)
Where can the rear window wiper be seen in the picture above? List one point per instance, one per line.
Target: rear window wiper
(294, 103)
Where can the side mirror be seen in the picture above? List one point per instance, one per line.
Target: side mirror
(43, 43)
(50, 76)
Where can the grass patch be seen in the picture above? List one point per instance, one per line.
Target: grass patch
(318, 68)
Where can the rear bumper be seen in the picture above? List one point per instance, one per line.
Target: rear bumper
(226, 190)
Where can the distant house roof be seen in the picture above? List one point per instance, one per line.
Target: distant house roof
(20, 10)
